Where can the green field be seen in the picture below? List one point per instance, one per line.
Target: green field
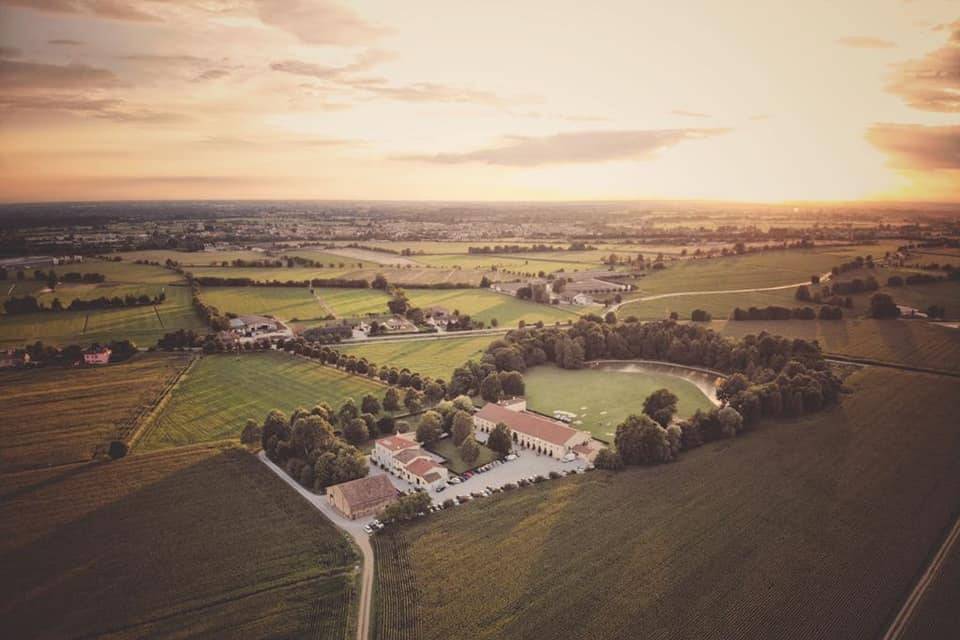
(194, 258)
(455, 463)
(353, 302)
(719, 305)
(909, 342)
(216, 397)
(56, 415)
(434, 358)
(143, 325)
(484, 305)
(284, 303)
(815, 527)
(603, 399)
(187, 543)
(396, 275)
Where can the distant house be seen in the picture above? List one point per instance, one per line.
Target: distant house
(13, 358)
(594, 286)
(573, 297)
(251, 325)
(97, 355)
(363, 497)
(531, 430)
(910, 312)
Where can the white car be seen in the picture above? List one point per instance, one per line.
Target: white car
(368, 529)
(511, 457)
(570, 457)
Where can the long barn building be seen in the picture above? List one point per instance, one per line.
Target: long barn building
(532, 430)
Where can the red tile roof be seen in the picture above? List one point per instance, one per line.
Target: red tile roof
(365, 492)
(422, 466)
(396, 443)
(528, 423)
(408, 455)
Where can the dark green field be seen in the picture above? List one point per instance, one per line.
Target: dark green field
(195, 542)
(812, 528)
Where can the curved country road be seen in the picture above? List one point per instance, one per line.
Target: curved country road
(353, 528)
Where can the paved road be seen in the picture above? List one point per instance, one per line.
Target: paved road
(909, 607)
(353, 528)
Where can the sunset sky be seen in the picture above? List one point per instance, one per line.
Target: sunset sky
(498, 100)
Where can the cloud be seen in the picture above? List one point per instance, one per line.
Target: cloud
(363, 62)
(865, 42)
(431, 92)
(112, 9)
(572, 147)
(34, 75)
(112, 109)
(690, 114)
(915, 147)
(65, 42)
(318, 21)
(212, 74)
(931, 83)
(10, 52)
(272, 143)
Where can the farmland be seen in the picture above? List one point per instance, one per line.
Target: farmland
(907, 342)
(142, 324)
(352, 302)
(405, 275)
(434, 358)
(55, 416)
(284, 303)
(153, 544)
(485, 305)
(803, 528)
(603, 399)
(219, 393)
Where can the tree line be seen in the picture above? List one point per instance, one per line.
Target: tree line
(29, 304)
(773, 312)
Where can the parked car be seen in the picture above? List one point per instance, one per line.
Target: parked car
(511, 457)
(368, 529)
(441, 488)
(570, 457)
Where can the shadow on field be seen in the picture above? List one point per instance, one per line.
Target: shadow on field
(163, 544)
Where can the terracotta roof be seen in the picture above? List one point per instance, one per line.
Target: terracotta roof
(591, 284)
(433, 476)
(366, 491)
(528, 423)
(407, 455)
(422, 467)
(397, 443)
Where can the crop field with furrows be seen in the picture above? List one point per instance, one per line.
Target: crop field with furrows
(602, 399)
(121, 272)
(434, 358)
(485, 305)
(814, 527)
(509, 263)
(142, 324)
(55, 415)
(937, 615)
(432, 247)
(353, 255)
(908, 342)
(216, 397)
(284, 303)
(768, 269)
(719, 305)
(187, 543)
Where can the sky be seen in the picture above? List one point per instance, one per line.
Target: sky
(764, 101)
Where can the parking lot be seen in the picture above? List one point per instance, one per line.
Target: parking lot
(528, 463)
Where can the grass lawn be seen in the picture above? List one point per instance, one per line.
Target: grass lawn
(455, 463)
(353, 302)
(199, 542)
(220, 392)
(909, 342)
(143, 325)
(284, 303)
(808, 528)
(434, 358)
(603, 399)
(56, 415)
(194, 258)
(411, 275)
(481, 304)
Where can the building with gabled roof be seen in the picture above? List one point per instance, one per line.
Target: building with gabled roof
(402, 456)
(362, 497)
(531, 430)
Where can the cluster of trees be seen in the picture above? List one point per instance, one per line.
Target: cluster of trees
(399, 304)
(179, 340)
(914, 278)
(210, 314)
(827, 312)
(407, 507)
(44, 354)
(343, 283)
(699, 315)
(883, 307)
(847, 287)
(803, 295)
(455, 417)
(537, 292)
(857, 263)
(513, 248)
(308, 449)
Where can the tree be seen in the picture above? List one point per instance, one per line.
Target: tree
(610, 318)
(391, 400)
(883, 306)
(310, 433)
(117, 449)
(803, 293)
(730, 420)
(470, 450)
(433, 391)
(501, 439)
(661, 405)
(356, 431)
(251, 433)
(379, 282)
(370, 404)
(608, 459)
(462, 427)
(413, 400)
(490, 388)
(429, 430)
(407, 507)
(699, 315)
(275, 430)
(640, 440)
(512, 383)
(348, 411)
(484, 282)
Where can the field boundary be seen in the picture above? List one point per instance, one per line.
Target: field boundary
(890, 365)
(146, 420)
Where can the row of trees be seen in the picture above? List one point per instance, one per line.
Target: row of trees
(827, 312)
(44, 354)
(29, 304)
